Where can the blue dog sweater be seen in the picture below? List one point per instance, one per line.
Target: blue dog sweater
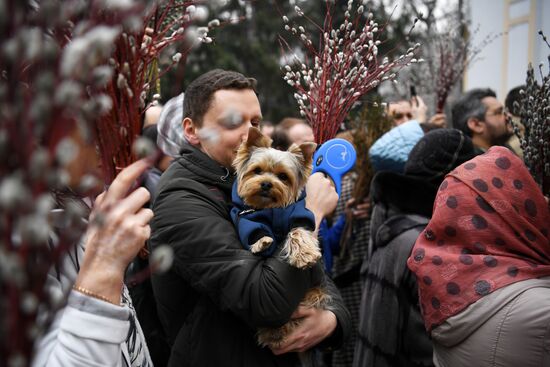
(253, 224)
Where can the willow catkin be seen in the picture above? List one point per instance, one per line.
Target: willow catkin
(534, 110)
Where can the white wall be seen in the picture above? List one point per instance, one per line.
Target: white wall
(488, 15)
(543, 51)
(502, 64)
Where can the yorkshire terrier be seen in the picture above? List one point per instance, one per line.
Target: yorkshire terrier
(270, 212)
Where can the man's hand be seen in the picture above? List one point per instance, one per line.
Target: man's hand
(419, 109)
(316, 325)
(438, 119)
(321, 196)
(118, 229)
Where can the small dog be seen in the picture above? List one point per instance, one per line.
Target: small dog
(268, 178)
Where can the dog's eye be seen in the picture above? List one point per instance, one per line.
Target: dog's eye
(282, 176)
(257, 170)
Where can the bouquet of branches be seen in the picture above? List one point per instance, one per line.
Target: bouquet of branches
(40, 101)
(450, 46)
(534, 111)
(453, 53)
(66, 65)
(342, 68)
(136, 72)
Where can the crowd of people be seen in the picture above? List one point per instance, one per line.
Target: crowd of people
(446, 263)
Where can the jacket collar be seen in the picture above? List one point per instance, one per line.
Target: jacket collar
(205, 168)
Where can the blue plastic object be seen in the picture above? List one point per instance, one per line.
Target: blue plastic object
(335, 158)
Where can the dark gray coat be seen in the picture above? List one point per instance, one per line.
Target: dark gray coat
(391, 328)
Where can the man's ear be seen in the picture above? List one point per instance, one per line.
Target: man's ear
(257, 139)
(190, 131)
(475, 125)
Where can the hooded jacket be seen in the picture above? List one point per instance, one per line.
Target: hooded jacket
(509, 327)
(217, 293)
(391, 329)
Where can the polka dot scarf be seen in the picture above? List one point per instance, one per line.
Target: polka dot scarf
(489, 229)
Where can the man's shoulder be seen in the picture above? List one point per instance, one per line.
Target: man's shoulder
(178, 177)
(176, 170)
(179, 185)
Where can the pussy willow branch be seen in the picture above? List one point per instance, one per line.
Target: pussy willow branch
(341, 69)
(534, 111)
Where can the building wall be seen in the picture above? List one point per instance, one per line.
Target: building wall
(502, 64)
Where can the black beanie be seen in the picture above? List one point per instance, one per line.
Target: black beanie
(438, 153)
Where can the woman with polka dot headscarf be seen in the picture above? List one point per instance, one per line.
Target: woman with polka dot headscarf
(483, 266)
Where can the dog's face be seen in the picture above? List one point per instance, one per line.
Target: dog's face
(270, 178)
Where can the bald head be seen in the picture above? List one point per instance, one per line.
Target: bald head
(301, 133)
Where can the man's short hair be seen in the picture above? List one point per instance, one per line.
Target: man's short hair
(199, 94)
(468, 106)
(513, 96)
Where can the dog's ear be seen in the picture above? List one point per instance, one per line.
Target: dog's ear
(243, 154)
(305, 150)
(257, 139)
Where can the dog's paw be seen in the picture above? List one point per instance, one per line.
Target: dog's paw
(274, 338)
(305, 259)
(262, 244)
(271, 338)
(303, 248)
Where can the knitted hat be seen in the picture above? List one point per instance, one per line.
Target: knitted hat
(391, 150)
(170, 130)
(438, 153)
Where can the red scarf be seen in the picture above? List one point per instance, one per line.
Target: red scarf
(489, 228)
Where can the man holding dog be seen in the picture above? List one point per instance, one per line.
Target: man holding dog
(218, 294)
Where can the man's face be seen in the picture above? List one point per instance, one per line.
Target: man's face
(400, 112)
(225, 125)
(497, 130)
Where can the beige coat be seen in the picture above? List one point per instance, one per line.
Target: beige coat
(507, 328)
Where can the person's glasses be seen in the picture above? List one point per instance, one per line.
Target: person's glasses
(499, 112)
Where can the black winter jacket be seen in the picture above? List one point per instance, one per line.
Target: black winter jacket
(391, 328)
(217, 294)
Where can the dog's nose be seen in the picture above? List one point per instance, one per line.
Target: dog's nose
(266, 185)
